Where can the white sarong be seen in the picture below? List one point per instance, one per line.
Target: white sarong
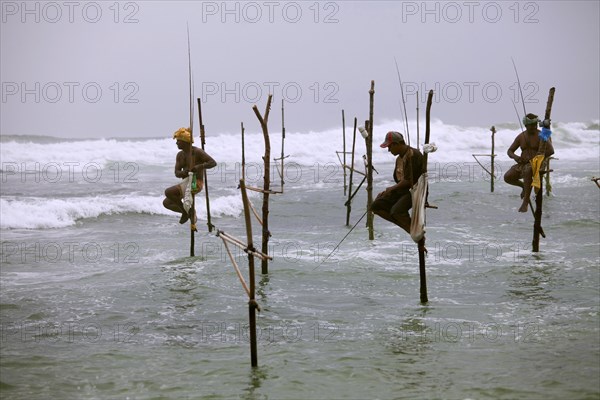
(418, 194)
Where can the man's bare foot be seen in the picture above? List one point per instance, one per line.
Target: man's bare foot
(524, 207)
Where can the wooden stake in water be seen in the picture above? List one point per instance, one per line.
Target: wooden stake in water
(344, 150)
(421, 244)
(266, 181)
(203, 142)
(539, 195)
(252, 305)
(493, 155)
(369, 142)
(192, 210)
(349, 202)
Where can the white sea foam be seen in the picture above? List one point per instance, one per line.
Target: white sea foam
(572, 141)
(44, 213)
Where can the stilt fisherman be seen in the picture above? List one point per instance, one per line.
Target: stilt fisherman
(394, 202)
(200, 161)
(521, 174)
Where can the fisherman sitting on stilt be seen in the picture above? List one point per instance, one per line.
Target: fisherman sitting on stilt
(528, 141)
(201, 161)
(394, 202)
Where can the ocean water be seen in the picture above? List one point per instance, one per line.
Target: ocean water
(100, 300)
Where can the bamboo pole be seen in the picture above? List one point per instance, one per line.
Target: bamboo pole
(252, 305)
(203, 142)
(282, 172)
(548, 184)
(369, 142)
(192, 210)
(355, 170)
(418, 139)
(266, 181)
(539, 194)
(344, 150)
(421, 245)
(493, 155)
(349, 202)
(243, 155)
(238, 243)
(237, 269)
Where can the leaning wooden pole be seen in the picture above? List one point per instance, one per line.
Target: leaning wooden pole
(252, 305)
(422, 275)
(539, 195)
(266, 181)
(349, 202)
(369, 142)
(203, 142)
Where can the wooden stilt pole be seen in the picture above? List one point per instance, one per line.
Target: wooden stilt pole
(252, 305)
(349, 202)
(266, 181)
(537, 225)
(493, 155)
(203, 142)
(418, 139)
(192, 210)
(421, 245)
(548, 184)
(243, 155)
(369, 142)
(539, 194)
(282, 172)
(344, 150)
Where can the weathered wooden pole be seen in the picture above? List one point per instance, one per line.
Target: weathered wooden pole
(243, 155)
(344, 150)
(252, 305)
(493, 155)
(369, 142)
(203, 142)
(548, 184)
(192, 210)
(349, 202)
(281, 171)
(418, 139)
(266, 181)
(539, 194)
(421, 245)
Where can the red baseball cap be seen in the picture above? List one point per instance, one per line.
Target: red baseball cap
(392, 137)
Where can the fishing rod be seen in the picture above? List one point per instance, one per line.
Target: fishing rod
(191, 152)
(519, 83)
(518, 118)
(338, 245)
(403, 102)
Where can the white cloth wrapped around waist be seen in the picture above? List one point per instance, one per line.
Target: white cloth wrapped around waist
(186, 190)
(419, 196)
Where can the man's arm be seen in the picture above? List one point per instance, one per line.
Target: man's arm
(204, 161)
(513, 147)
(180, 170)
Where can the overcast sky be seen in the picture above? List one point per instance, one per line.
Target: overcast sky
(108, 69)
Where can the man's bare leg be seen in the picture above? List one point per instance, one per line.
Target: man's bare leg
(527, 180)
(173, 203)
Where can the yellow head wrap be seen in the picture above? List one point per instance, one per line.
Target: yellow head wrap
(183, 134)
